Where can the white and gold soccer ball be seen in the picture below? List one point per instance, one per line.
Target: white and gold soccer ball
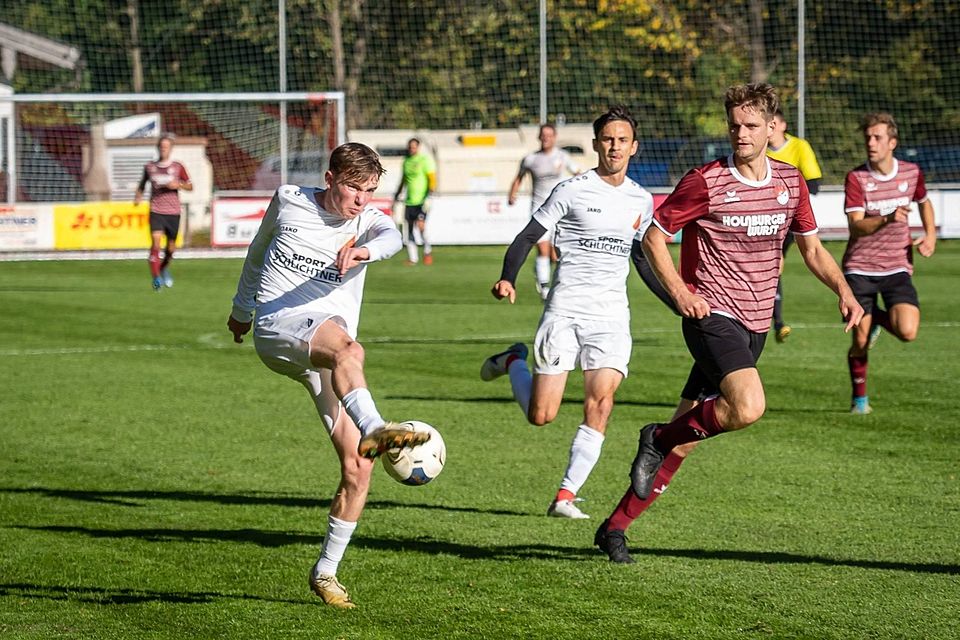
(420, 464)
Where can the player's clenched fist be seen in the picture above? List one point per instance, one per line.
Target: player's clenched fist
(504, 289)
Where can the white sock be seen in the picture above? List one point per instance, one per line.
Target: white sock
(427, 249)
(334, 545)
(521, 382)
(584, 453)
(542, 270)
(360, 407)
(412, 251)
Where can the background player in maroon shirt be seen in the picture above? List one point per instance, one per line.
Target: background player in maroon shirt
(879, 255)
(166, 177)
(734, 212)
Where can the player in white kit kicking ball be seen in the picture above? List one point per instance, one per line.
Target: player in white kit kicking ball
(303, 281)
(586, 320)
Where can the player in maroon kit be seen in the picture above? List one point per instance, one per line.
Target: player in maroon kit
(167, 178)
(734, 213)
(878, 259)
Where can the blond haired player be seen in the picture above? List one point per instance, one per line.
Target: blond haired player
(302, 282)
(734, 213)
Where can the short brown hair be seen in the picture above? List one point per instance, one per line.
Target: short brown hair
(355, 161)
(614, 114)
(881, 117)
(759, 96)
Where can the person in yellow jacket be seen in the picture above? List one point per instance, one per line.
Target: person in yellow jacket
(798, 152)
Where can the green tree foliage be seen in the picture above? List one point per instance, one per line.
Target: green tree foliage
(439, 64)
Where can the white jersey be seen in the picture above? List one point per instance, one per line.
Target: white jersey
(594, 224)
(546, 169)
(290, 269)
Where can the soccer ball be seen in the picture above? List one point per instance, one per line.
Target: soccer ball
(417, 465)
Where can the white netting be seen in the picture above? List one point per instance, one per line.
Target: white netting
(58, 158)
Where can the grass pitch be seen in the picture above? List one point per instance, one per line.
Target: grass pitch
(157, 481)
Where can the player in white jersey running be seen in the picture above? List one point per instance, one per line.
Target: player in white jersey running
(594, 217)
(546, 168)
(302, 281)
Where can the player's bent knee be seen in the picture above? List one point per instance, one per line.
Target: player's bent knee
(350, 352)
(541, 416)
(356, 471)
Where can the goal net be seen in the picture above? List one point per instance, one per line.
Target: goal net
(82, 147)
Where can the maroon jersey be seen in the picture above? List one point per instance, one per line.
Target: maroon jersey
(733, 231)
(163, 199)
(889, 249)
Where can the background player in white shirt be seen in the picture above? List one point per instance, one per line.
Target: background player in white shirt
(586, 321)
(303, 281)
(546, 168)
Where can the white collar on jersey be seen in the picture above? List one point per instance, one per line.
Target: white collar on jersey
(884, 177)
(749, 183)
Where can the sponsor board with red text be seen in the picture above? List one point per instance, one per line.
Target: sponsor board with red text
(235, 220)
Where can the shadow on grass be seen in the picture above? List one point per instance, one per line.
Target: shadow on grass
(508, 400)
(274, 539)
(101, 595)
(137, 498)
(521, 552)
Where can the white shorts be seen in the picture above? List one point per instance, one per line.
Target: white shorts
(283, 344)
(562, 343)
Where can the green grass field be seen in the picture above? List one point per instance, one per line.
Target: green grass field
(157, 481)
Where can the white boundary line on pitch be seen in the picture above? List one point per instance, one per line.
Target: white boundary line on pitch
(210, 341)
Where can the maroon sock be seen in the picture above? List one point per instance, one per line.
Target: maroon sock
(167, 257)
(631, 506)
(858, 374)
(154, 261)
(697, 424)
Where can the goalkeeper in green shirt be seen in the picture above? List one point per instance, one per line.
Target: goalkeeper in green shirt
(419, 179)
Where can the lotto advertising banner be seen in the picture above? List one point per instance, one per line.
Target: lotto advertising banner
(103, 225)
(26, 227)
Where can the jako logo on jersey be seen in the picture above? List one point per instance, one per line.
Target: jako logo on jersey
(764, 224)
(732, 196)
(288, 229)
(593, 210)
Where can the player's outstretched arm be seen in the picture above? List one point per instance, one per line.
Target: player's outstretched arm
(690, 305)
(822, 265)
(927, 243)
